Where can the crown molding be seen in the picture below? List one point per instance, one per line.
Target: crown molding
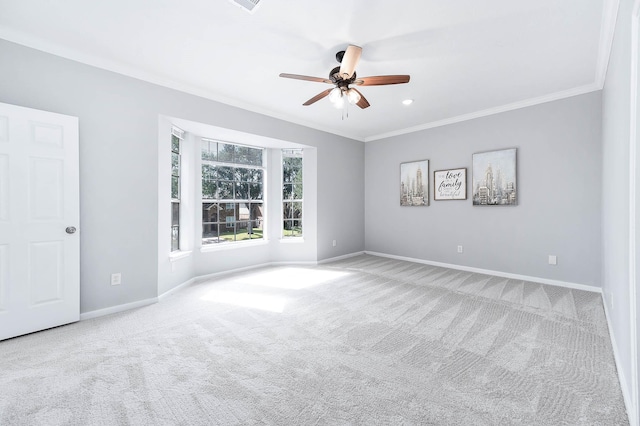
(607, 31)
(153, 78)
(491, 111)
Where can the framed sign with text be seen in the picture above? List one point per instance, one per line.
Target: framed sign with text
(450, 184)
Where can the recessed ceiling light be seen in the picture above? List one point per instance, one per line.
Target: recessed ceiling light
(407, 101)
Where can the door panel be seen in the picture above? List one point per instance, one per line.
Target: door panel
(4, 188)
(4, 276)
(46, 186)
(45, 272)
(39, 198)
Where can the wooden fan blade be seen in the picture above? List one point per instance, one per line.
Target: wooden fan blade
(317, 97)
(381, 80)
(363, 102)
(349, 61)
(306, 78)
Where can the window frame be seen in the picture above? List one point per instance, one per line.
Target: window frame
(299, 185)
(175, 223)
(239, 175)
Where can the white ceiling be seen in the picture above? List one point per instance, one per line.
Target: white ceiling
(466, 58)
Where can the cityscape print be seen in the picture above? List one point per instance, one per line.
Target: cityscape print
(414, 183)
(494, 178)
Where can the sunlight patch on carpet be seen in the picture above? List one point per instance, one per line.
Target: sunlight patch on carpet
(291, 278)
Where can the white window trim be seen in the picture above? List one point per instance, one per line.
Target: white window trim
(233, 245)
(179, 254)
(198, 188)
(179, 133)
(282, 237)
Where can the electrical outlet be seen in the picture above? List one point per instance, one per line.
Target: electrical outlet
(116, 279)
(553, 260)
(459, 249)
(335, 243)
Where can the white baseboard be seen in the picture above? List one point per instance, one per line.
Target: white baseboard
(345, 256)
(628, 399)
(118, 308)
(175, 289)
(574, 286)
(201, 278)
(299, 263)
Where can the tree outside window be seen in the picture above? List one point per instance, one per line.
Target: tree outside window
(292, 199)
(232, 192)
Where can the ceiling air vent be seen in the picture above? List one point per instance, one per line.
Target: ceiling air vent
(248, 5)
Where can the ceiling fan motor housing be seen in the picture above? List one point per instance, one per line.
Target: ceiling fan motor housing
(338, 80)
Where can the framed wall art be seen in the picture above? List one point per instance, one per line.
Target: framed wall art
(414, 183)
(494, 178)
(450, 184)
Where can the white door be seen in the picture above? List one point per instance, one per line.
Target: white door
(39, 220)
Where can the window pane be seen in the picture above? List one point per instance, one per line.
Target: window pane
(209, 189)
(175, 164)
(292, 228)
(240, 174)
(228, 230)
(242, 191)
(175, 238)
(292, 175)
(175, 144)
(209, 212)
(292, 162)
(242, 211)
(225, 190)
(210, 233)
(255, 157)
(287, 173)
(175, 214)
(255, 213)
(242, 155)
(175, 187)
(242, 231)
(209, 171)
(227, 212)
(209, 150)
(254, 175)
(255, 230)
(287, 191)
(297, 191)
(226, 152)
(297, 210)
(297, 228)
(225, 173)
(255, 191)
(287, 210)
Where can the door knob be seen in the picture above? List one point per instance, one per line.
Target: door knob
(70, 230)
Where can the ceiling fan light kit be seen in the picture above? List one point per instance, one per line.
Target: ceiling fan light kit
(343, 76)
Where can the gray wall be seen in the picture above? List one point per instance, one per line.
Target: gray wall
(559, 190)
(616, 178)
(119, 119)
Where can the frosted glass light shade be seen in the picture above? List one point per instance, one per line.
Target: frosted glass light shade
(335, 94)
(353, 96)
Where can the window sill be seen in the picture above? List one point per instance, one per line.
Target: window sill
(177, 255)
(292, 240)
(231, 246)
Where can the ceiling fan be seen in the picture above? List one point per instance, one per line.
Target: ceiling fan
(343, 76)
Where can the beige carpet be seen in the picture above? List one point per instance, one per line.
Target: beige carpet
(363, 341)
